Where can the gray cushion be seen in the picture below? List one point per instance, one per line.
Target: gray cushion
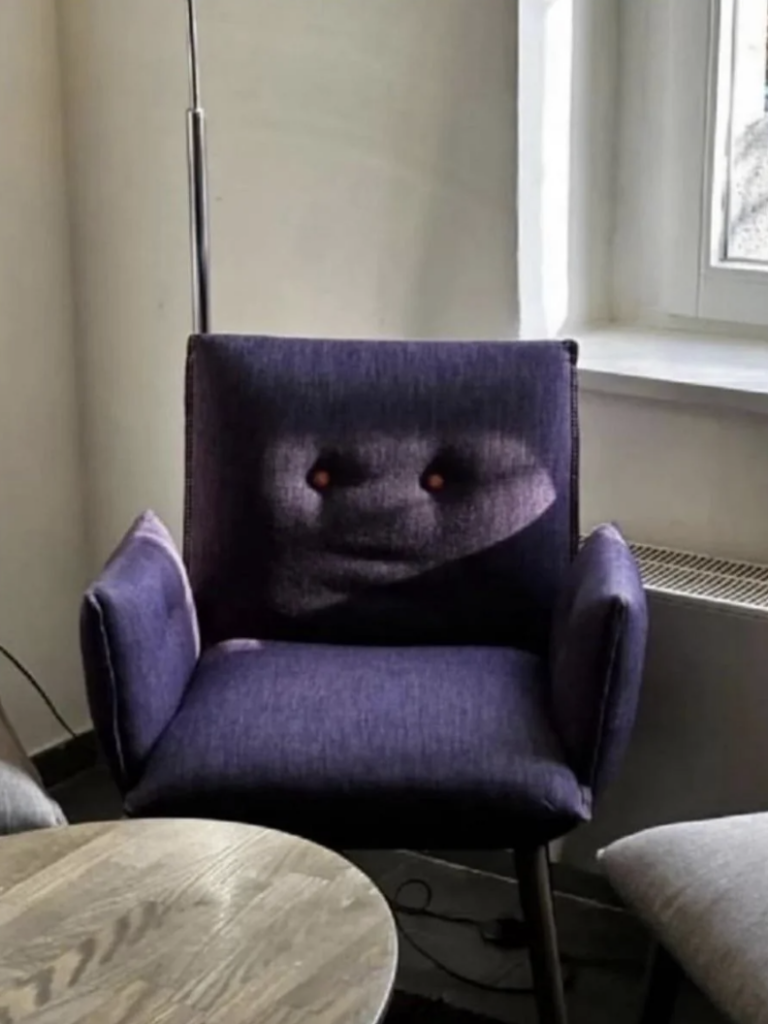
(23, 804)
(11, 750)
(702, 890)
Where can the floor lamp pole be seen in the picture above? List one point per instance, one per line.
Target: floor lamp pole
(198, 186)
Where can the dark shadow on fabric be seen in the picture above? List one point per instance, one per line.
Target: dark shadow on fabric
(474, 600)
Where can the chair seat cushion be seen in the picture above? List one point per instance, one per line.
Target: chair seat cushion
(376, 747)
(702, 890)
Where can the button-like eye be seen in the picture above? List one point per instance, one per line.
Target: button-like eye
(320, 479)
(434, 482)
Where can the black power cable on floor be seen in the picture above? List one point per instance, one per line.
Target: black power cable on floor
(39, 689)
(424, 910)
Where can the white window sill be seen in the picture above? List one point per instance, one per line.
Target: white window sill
(675, 366)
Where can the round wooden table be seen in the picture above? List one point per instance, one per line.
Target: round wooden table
(188, 922)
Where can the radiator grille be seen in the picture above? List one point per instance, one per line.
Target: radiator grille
(717, 580)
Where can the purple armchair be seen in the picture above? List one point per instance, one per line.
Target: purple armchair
(381, 634)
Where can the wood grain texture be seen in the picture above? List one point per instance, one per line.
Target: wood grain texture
(188, 922)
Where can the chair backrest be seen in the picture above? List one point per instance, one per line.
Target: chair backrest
(380, 492)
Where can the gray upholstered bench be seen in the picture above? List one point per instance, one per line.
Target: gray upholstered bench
(24, 803)
(701, 888)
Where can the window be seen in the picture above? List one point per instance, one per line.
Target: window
(716, 163)
(742, 234)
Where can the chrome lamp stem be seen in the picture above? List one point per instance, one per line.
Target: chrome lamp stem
(199, 221)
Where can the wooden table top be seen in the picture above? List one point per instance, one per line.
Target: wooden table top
(188, 922)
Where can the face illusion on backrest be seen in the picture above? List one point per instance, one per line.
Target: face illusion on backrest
(379, 492)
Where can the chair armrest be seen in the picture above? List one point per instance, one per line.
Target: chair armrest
(597, 654)
(140, 644)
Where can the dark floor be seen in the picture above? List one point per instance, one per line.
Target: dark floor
(605, 950)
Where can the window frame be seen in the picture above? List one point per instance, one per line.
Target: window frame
(698, 281)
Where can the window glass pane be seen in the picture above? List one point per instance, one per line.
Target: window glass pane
(746, 229)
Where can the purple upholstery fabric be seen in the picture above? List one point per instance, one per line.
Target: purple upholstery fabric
(596, 656)
(140, 644)
(353, 508)
(376, 555)
(367, 746)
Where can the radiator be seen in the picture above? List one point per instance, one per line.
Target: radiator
(700, 746)
(693, 577)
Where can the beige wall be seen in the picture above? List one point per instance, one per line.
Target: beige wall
(362, 182)
(362, 163)
(41, 530)
(698, 749)
(677, 474)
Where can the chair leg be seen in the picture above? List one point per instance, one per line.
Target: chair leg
(664, 981)
(533, 878)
